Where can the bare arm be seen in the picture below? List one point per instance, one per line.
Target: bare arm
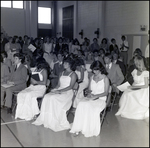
(73, 81)
(146, 84)
(105, 93)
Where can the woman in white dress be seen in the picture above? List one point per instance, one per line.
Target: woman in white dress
(134, 102)
(87, 115)
(27, 105)
(83, 80)
(58, 101)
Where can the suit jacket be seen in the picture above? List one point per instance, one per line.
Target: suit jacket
(19, 77)
(122, 66)
(115, 74)
(56, 70)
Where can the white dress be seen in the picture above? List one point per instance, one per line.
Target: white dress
(54, 107)
(87, 115)
(27, 105)
(82, 86)
(134, 104)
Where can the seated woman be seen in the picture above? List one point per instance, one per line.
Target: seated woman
(87, 115)
(5, 73)
(58, 101)
(83, 80)
(134, 104)
(27, 105)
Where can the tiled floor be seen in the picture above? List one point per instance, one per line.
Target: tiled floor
(118, 132)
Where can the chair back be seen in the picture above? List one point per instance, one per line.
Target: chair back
(108, 100)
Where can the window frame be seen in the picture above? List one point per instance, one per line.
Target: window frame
(12, 5)
(50, 15)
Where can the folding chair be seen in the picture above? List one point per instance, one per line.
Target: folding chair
(14, 97)
(108, 101)
(114, 95)
(75, 90)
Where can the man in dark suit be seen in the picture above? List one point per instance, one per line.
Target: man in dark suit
(18, 79)
(57, 70)
(114, 72)
(120, 63)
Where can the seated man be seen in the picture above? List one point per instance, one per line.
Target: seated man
(120, 63)
(58, 68)
(114, 72)
(17, 80)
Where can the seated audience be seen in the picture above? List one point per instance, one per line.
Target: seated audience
(104, 44)
(96, 57)
(8, 47)
(57, 70)
(115, 74)
(116, 61)
(27, 105)
(83, 80)
(134, 102)
(87, 115)
(5, 73)
(58, 101)
(75, 46)
(94, 45)
(17, 79)
(114, 47)
(131, 66)
(6, 60)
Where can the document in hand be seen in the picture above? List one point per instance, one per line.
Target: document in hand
(123, 86)
(35, 77)
(31, 47)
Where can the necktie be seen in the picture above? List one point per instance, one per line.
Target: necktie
(15, 67)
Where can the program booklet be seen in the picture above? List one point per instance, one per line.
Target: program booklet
(35, 77)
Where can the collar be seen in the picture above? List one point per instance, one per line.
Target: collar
(18, 65)
(109, 65)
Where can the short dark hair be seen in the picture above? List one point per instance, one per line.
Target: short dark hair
(20, 56)
(70, 61)
(108, 55)
(97, 65)
(103, 40)
(112, 39)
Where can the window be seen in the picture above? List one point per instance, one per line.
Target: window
(12, 4)
(44, 15)
(6, 4)
(18, 4)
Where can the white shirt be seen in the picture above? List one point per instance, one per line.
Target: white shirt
(109, 65)
(147, 51)
(18, 65)
(126, 44)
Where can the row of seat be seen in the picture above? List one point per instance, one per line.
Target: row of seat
(109, 101)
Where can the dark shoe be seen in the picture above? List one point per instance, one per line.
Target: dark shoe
(9, 111)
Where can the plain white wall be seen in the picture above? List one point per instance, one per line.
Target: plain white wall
(13, 25)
